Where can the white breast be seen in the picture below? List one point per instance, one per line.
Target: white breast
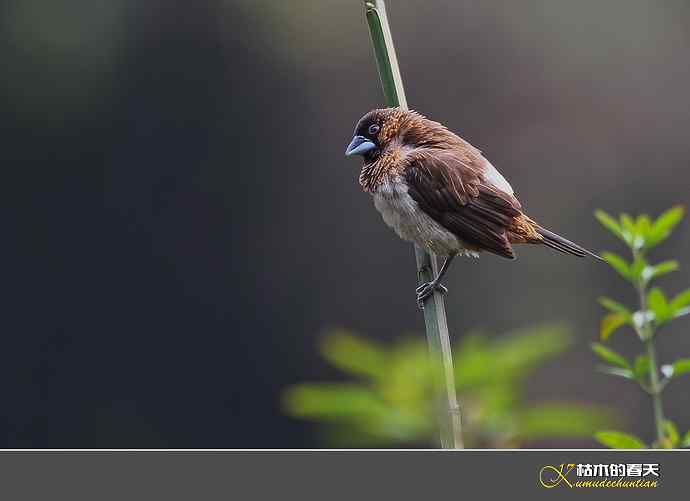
(402, 213)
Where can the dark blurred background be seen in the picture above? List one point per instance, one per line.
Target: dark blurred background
(181, 223)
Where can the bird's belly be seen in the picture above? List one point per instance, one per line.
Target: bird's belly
(401, 212)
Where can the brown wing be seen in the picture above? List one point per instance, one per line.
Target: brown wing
(450, 188)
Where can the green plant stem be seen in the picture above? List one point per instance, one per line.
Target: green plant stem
(655, 391)
(434, 306)
(647, 335)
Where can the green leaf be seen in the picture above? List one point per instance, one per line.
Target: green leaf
(359, 409)
(331, 401)
(633, 238)
(671, 433)
(680, 304)
(610, 224)
(610, 323)
(659, 305)
(615, 307)
(619, 440)
(680, 367)
(409, 374)
(643, 225)
(681, 313)
(637, 268)
(473, 352)
(649, 273)
(615, 371)
(641, 368)
(685, 442)
(617, 263)
(665, 267)
(657, 300)
(480, 361)
(610, 356)
(663, 226)
(627, 223)
(560, 419)
(354, 355)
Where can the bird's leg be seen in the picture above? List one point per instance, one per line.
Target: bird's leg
(428, 288)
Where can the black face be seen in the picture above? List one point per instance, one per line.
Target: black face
(369, 126)
(369, 129)
(366, 138)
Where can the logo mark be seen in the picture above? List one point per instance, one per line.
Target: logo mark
(551, 477)
(601, 476)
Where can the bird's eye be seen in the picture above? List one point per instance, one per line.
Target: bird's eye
(374, 129)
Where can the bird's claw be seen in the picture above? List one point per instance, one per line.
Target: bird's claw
(427, 289)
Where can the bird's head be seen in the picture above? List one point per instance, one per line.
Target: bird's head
(374, 132)
(385, 129)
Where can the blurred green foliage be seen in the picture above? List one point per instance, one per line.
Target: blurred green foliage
(391, 401)
(641, 234)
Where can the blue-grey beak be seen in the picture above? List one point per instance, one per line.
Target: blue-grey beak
(359, 146)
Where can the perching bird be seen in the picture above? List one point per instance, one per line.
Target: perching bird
(438, 191)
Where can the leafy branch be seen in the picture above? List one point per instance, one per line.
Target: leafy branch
(654, 310)
(388, 398)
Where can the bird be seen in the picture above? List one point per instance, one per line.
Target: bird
(438, 191)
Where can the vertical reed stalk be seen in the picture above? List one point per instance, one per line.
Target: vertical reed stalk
(427, 265)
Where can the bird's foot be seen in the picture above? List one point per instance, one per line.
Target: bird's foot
(427, 289)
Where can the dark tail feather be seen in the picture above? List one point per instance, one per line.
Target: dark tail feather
(560, 244)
